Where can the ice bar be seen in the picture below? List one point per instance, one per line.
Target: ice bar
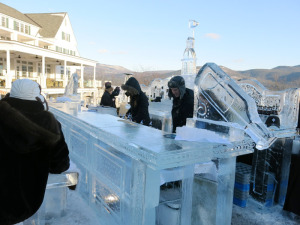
(123, 167)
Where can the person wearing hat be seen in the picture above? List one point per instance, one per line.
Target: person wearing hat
(32, 146)
(138, 102)
(109, 95)
(183, 102)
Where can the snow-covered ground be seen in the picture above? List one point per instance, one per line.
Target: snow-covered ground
(79, 213)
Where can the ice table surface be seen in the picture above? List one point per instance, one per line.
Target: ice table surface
(145, 143)
(62, 180)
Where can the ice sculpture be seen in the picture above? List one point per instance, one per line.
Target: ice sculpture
(278, 109)
(219, 99)
(72, 86)
(270, 172)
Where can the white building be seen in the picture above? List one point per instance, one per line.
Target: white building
(41, 47)
(157, 88)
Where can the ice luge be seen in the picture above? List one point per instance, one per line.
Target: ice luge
(219, 98)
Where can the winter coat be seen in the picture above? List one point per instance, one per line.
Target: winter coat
(182, 109)
(32, 145)
(109, 99)
(138, 102)
(292, 200)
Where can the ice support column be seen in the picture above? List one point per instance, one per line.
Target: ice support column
(225, 188)
(145, 194)
(187, 195)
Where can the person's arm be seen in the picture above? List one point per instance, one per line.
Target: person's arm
(115, 92)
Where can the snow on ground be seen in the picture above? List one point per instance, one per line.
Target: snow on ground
(79, 213)
(251, 215)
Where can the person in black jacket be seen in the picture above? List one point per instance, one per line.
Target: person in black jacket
(138, 102)
(183, 101)
(292, 200)
(109, 96)
(32, 145)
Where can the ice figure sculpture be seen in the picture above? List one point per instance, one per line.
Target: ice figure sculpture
(72, 86)
(219, 99)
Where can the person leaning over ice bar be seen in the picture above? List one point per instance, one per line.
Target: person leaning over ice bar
(109, 96)
(138, 102)
(183, 102)
(32, 145)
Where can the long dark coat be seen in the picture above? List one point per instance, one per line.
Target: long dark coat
(292, 200)
(32, 145)
(138, 102)
(109, 99)
(182, 108)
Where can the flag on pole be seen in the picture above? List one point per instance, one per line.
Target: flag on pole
(193, 23)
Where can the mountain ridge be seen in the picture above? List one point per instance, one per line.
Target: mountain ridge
(277, 78)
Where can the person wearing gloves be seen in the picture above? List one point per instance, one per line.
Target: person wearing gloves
(32, 146)
(138, 102)
(109, 96)
(183, 102)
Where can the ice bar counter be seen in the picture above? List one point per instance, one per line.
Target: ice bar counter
(133, 174)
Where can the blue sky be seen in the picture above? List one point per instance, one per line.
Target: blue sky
(151, 35)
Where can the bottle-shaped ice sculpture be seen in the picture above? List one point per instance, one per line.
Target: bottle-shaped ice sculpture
(220, 98)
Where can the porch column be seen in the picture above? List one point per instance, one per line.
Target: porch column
(43, 77)
(65, 82)
(8, 76)
(81, 74)
(94, 85)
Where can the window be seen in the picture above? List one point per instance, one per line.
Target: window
(66, 51)
(16, 26)
(27, 29)
(58, 49)
(22, 27)
(65, 36)
(4, 22)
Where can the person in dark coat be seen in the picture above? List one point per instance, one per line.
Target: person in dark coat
(109, 96)
(183, 102)
(32, 145)
(138, 102)
(292, 200)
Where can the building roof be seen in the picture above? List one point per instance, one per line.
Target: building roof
(9, 11)
(50, 22)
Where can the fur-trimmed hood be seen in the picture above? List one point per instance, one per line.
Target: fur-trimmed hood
(20, 132)
(132, 86)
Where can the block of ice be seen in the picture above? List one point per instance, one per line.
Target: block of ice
(199, 135)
